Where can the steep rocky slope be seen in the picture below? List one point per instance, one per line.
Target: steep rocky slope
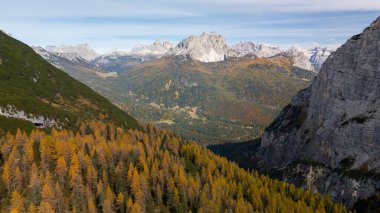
(73, 52)
(299, 56)
(207, 47)
(158, 48)
(319, 56)
(334, 124)
(259, 50)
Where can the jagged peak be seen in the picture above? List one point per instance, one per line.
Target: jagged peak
(207, 47)
(339, 118)
(115, 52)
(244, 48)
(297, 49)
(71, 52)
(157, 48)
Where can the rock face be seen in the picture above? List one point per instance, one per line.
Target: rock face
(299, 56)
(40, 121)
(311, 59)
(73, 52)
(259, 50)
(158, 48)
(208, 47)
(336, 121)
(318, 56)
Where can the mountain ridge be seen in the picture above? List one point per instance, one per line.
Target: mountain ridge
(327, 138)
(207, 47)
(36, 94)
(334, 122)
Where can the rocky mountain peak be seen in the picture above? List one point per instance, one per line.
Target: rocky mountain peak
(336, 121)
(114, 53)
(260, 50)
(319, 56)
(207, 47)
(300, 57)
(72, 52)
(157, 48)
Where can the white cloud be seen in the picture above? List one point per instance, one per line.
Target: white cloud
(119, 23)
(299, 5)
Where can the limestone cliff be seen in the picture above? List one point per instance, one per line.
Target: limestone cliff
(336, 121)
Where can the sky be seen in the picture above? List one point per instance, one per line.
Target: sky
(121, 24)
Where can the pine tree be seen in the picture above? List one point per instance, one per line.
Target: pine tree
(164, 174)
(32, 208)
(108, 200)
(120, 202)
(61, 169)
(34, 185)
(7, 176)
(48, 195)
(136, 208)
(91, 206)
(60, 207)
(17, 202)
(45, 208)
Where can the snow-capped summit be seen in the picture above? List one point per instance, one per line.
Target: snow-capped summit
(318, 56)
(73, 52)
(158, 48)
(260, 50)
(207, 47)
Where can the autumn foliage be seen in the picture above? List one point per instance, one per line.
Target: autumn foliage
(103, 168)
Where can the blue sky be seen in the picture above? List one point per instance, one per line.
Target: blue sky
(108, 24)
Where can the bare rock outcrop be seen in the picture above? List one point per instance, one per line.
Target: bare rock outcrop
(336, 121)
(207, 47)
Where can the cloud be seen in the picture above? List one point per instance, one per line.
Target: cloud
(297, 5)
(119, 23)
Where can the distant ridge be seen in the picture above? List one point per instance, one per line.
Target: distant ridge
(207, 47)
(36, 94)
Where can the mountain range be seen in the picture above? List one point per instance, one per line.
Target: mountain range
(207, 47)
(65, 148)
(231, 99)
(325, 139)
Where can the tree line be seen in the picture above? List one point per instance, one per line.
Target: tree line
(103, 168)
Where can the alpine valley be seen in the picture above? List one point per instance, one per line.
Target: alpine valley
(65, 148)
(192, 123)
(200, 88)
